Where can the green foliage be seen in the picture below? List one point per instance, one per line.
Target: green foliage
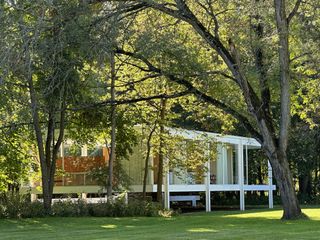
(64, 47)
(119, 209)
(32, 210)
(15, 205)
(69, 209)
(190, 155)
(19, 206)
(16, 159)
(121, 180)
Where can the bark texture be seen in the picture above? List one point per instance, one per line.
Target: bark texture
(146, 163)
(113, 128)
(161, 153)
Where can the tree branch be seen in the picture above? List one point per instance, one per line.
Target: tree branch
(129, 101)
(200, 95)
(294, 11)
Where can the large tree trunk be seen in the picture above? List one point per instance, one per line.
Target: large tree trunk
(47, 195)
(42, 156)
(161, 153)
(146, 163)
(284, 180)
(113, 128)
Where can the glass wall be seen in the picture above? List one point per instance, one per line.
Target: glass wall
(224, 168)
(75, 163)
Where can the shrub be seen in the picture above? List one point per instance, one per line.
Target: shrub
(12, 204)
(83, 209)
(16, 206)
(65, 209)
(2, 211)
(143, 208)
(32, 209)
(102, 209)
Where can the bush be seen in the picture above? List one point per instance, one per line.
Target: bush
(83, 209)
(143, 208)
(2, 211)
(102, 209)
(120, 209)
(12, 204)
(64, 209)
(32, 209)
(16, 206)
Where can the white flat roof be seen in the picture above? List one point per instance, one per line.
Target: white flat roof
(193, 134)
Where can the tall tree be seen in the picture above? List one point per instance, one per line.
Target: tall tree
(113, 126)
(48, 54)
(266, 127)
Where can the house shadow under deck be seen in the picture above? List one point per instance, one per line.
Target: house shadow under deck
(197, 197)
(220, 201)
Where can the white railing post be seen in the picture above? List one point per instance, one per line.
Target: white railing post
(241, 175)
(247, 165)
(270, 185)
(166, 187)
(34, 197)
(207, 182)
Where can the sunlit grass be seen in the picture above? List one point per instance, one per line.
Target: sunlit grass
(201, 230)
(252, 224)
(110, 226)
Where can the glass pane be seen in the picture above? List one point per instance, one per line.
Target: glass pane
(95, 151)
(71, 150)
(74, 180)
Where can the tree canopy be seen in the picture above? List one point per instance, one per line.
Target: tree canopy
(248, 67)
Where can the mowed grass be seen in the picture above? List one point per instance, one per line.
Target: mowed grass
(252, 224)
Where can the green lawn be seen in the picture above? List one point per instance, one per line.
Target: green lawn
(252, 224)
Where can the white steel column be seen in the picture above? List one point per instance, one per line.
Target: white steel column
(270, 185)
(223, 162)
(247, 166)
(207, 182)
(150, 171)
(241, 175)
(84, 151)
(84, 196)
(34, 197)
(166, 190)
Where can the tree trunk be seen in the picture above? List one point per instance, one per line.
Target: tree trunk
(113, 128)
(42, 156)
(305, 186)
(161, 154)
(146, 163)
(282, 174)
(47, 195)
